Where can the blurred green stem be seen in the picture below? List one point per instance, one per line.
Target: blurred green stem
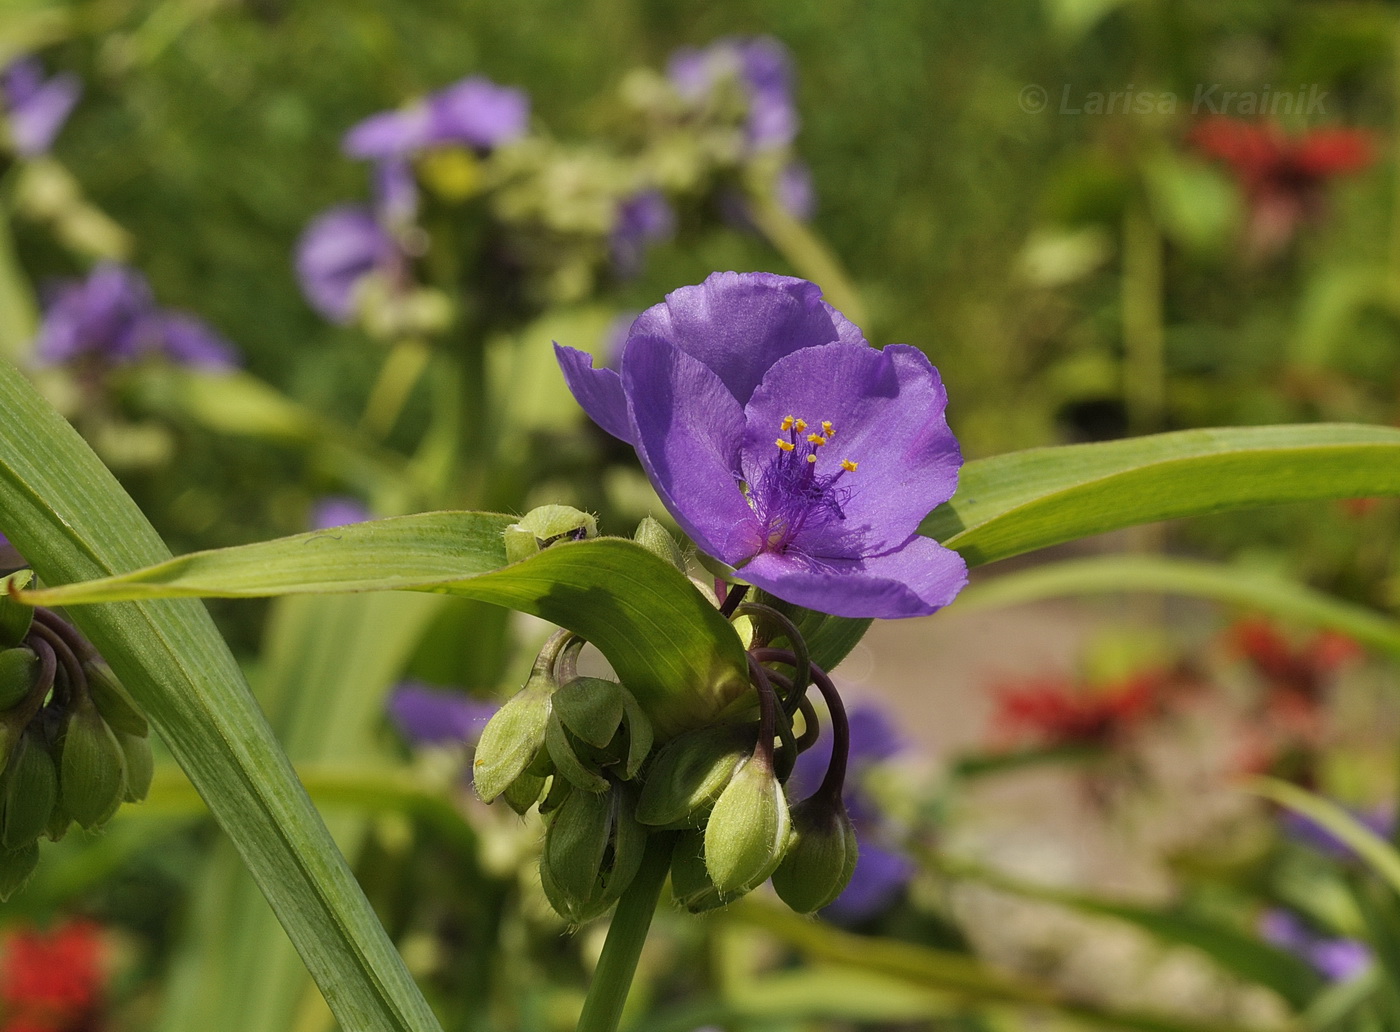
(399, 374)
(808, 255)
(626, 936)
(1144, 367)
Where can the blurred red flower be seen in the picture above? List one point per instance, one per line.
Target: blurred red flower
(1284, 177)
(1056, 711)
(1294, 670)
(52, 981)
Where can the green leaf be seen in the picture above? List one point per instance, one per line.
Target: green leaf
(1044, 496)
(672, 649)
(73, 521)
(1238, 585)
(1376, 852)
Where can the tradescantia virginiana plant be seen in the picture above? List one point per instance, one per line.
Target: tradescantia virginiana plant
(679, 765)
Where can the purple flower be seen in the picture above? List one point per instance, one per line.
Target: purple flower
(785, 445)
(337, 511)
(1338, 960)
(111, 316)
(429, 716)
(336, 252)
(763, 69)
(36, 108)
(474, 112)
(795, 191)
(643, 219)
(1379, 819)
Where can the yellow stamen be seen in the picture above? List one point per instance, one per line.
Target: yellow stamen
(827, 428)
(848, 465)
(784, 445)
(811, 458)
(786, 424)
(799, 425)
(816, 439)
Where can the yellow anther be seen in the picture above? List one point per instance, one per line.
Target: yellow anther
(786, 424)
(816, 439)
(799, 425)
(784, 445)
(848, 465)
(828, 429)
(811, 458)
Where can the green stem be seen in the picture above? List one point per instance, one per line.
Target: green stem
(809, 255)
(627, 934)
(1144, 367)
(402, 370)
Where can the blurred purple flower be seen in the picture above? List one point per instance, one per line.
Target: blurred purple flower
(1337, 959)
(795, 192)
(643, 219)
(36, 108)
(881, 873)
(337, 251)
(711, 376)
(112, 316)
(1379, 819)
(337, 511)
(763, 69)
(431, 716)
(474, 112)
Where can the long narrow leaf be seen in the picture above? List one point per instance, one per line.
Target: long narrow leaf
(74, 522)
(1031, 499)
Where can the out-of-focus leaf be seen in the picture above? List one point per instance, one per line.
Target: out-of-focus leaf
(1376, 852)
(1237, 585)
(1031, 499)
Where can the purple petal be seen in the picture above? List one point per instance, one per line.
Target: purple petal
(598, 391)
(879, 877)
(390, 134)
(795, 192)
(395, 191)
(337, 511)
(1379, 819)
(106, 315)
(767, 72)
(191, 342)
(872, 738)
(335, 252)
(427, 716)
(1340, 960)
(478, 113)
(887, 408)
(688, 429)
(643, 219)
(739, 324)
(915, 580)
(39, 113)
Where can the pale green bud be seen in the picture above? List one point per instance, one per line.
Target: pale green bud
(689, 772)
(16, 865)
(821, 858)
(690, 881)
(113, 701)
(523, 792)
(92, 772)
(539, 528)
(564, 752)
(512, 738)
(748, 829)
(592, 850)
(19, 668)
(30, 792)
(594, 709)
(652, 536)
(140, 765)
(15, 617)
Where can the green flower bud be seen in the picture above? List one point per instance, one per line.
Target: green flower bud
(524, 792)
(513, 737)
(564, 752)
(113, 701)
(15, 617)
(19, 667)
(92, 771)
(652, 536)
(821, 858)
(690, 882)
(16, 865)
(689, 772)
(140, 765)
(30, 792)
(592, 850)
(594, 710)
(748, 829)
(539, 528)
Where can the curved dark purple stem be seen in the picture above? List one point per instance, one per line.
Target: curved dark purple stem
(835, 779)
(80, 646)
(48, 668)
(77, 686)
(768, 722)
(787, 629)
(733, 595)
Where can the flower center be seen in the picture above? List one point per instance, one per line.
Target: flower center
(797, 492)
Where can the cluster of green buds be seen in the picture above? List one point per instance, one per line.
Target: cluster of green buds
(583, 750)
(73, 744)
